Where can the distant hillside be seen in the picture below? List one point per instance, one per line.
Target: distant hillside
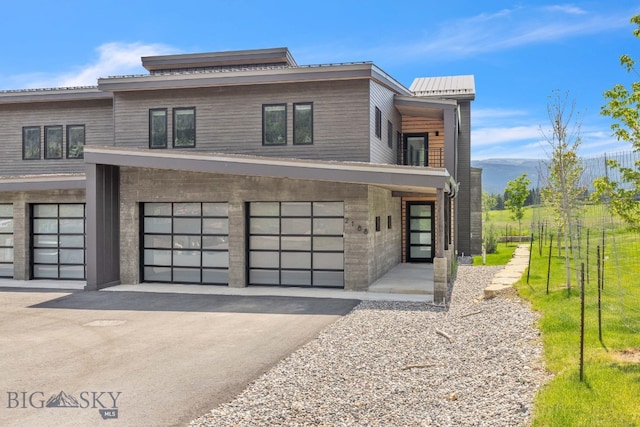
(497, 172)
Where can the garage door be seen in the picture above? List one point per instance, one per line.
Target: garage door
(296, 243)
(185, 243)
(58, 241)
(6, 240)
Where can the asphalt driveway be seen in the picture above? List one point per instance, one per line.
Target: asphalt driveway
(141, 359)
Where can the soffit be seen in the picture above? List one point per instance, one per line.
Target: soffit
(392, 177)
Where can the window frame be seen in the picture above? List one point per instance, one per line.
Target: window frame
(378, 123)
(175, 128)
(264, 124)
(47, 142)
(24, 151)
(390, 134)
(84, 141)
(295, 120)
(151, 127)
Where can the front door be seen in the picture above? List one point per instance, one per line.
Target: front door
(415, 149)
(420, 232)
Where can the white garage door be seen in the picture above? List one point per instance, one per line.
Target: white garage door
(296, 243)
(185, 243)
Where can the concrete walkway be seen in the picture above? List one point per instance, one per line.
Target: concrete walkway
(510, 274)
(404, 282)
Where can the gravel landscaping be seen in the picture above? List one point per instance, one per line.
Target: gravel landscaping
(477, 363)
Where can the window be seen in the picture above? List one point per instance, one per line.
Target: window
(389, 222)
(378, 224)
(53, 142)
(378, 123)
(158, 128)
(274, 124)
(31, 143)
(303, 123)
(75, 141)
(390, 134)
(398, 140)
(184, 127)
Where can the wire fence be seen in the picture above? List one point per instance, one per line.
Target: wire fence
(601, 248)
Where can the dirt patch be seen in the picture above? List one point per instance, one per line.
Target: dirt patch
(628, 355)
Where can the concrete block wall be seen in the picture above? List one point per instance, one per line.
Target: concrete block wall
(385, 250)
(22, 224)
(153, 185)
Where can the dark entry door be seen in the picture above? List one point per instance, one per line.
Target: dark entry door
(415, 149)
(420, 232)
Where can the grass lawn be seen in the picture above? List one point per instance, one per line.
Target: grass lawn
(610, 392)
(502, 256)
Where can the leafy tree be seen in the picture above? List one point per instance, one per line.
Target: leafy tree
(489, 203)
(623, 105)
(515, 195)
(499, 202)
(562, 191)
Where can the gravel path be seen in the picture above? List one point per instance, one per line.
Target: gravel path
(392, 364)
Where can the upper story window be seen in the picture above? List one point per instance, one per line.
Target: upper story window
(158, 128)
(303, 123)
(31, 143)
(53, 142)
(274, 124)
(75, 141)
(378, 123)
(184, 127)
(390, 134)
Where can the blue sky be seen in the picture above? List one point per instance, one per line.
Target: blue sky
(519, 51)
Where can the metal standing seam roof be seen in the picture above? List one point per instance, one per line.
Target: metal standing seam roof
(446, 86)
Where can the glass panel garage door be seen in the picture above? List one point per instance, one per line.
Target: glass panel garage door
(58, 241)
(296, 243)
(186, 243)
(6, 240)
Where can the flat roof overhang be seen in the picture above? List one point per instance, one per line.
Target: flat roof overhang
(252, 77)
(422, 107)
(395, 178)
(53, 95)
(43, 183)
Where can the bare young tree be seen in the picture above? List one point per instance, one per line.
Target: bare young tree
(562, 190)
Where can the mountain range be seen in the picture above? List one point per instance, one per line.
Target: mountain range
(497, 172)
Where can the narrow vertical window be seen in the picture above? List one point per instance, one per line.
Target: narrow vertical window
(158, 128)
(303, 123)
(390, 134)
(53, 142)
(274, 124)
(184, 127)
(75, 141)
(389, 222)
(31, 143)
(378, 123)
(378, 225)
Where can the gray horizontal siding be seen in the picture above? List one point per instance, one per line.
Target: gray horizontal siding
(96, 115)
(229, 119)
(382, 98)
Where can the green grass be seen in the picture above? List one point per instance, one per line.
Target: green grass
(610, 392)
(502, 256)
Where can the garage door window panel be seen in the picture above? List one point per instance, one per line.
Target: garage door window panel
(196, 233)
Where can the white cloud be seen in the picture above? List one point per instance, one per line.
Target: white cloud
(510, 28)
(495, 135)
(113, 59)
(566, 8)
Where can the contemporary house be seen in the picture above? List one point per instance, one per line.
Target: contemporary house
(237, 169)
